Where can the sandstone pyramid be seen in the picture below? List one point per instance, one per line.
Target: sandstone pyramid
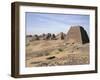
(61, 36)
(77, 34)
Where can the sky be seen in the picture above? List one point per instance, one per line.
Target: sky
(38, 23)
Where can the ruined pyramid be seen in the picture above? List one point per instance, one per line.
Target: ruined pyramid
(77, 34)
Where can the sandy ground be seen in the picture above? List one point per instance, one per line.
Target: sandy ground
(56, 52)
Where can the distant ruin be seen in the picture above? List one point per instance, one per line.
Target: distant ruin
(76, 34)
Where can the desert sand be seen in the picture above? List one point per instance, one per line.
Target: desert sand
(56, 50)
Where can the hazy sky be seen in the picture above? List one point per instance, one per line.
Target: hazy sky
(38, 23)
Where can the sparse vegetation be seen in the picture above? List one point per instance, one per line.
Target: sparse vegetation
(27, 44)
(60, 50)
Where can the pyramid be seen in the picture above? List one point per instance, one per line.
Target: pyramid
(77, 34)
(61, 36)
